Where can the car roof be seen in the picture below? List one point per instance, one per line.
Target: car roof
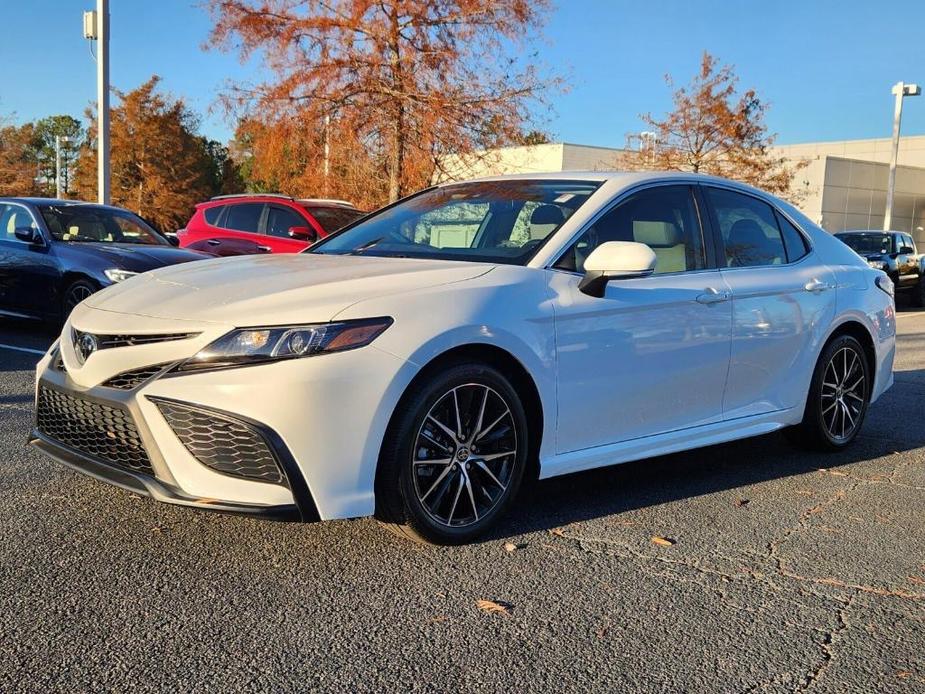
(625, 178)
(61, 203)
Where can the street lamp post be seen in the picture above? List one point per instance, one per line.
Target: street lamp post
(96, 27)
(900, 91)
(59, 184)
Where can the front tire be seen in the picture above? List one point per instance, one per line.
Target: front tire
(73, 295)
(454, 456)
(918, 293)
(838, 397)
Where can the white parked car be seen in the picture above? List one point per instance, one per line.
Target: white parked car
(418, 364)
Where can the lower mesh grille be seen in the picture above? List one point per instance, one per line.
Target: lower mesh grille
(220, 442)
(103, 432)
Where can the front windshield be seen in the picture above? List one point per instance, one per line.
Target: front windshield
(487, 221)
(97, 224)
(868, 244)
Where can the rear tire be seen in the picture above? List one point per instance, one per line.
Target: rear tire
(839, 395)
(454, 456)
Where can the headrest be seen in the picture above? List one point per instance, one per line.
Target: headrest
(547, 214)
(746, 232)
(657, 234)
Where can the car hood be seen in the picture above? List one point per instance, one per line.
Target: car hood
(136, 257)
(274, 290)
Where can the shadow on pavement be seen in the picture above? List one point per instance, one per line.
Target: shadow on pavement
(607, 491)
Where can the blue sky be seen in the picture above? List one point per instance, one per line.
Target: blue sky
(825, 66)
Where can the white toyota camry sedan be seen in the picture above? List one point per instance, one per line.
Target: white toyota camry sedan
(418, 364)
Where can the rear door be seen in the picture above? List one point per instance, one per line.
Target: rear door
(236, 230)
(783, 299)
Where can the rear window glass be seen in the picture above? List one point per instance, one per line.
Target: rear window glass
(243, 217)
(212, 214)
(794, 242)
(333, 218)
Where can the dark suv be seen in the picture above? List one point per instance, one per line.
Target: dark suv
(263, 223)
(896, 254)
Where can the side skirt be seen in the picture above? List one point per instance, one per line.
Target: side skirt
(671, 442)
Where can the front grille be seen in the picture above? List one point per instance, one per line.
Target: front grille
(100, 431)
(127, 380)
(222, 443)
(110, 341)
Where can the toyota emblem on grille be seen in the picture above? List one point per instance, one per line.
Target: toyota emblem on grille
(85, 345)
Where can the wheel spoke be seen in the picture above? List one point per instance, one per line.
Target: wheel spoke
(484, 468)
(443, 427)
(481, 418)
(495, 456)
(827, 409)
(439, 479)
(491, 426)
(459, 429)
(434, 461)
(475, 509)
(449, 520)
(429, 438)
(851, 394)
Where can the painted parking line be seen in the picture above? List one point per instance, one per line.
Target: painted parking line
(28, 350)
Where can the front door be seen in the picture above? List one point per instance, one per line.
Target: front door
(651, 355)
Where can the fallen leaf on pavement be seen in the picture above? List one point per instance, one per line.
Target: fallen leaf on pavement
(663, 541)
(742, 502)
(493, 606)
(513, 546)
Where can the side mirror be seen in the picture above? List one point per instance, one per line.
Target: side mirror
(616, 260)
(302, 233)
(172, 238)
(904, 250)
(29, 235)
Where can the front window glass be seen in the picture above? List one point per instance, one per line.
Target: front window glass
(281, 219)
(664, 218)
(98, 224)
(489, 221)
(13, 217)
(868, 244)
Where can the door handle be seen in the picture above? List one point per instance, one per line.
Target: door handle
(713, 296)
(213, 242)
(816, 285)
(264, 249)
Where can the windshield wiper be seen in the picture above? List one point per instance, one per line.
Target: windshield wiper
(369, 244)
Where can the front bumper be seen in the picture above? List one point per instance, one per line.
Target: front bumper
(105, 435)
(147, 485)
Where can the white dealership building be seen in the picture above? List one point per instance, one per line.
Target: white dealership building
(844, 182)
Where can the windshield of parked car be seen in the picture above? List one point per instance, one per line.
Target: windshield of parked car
(868, 244)
(98, 224)
(333, 218)
(487, 221)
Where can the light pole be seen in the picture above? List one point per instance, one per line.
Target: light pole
(900, 91)
(96, 27)
(59, 184)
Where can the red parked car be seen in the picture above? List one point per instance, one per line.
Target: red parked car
(263, 223)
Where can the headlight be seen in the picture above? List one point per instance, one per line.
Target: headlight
(257, 345)
(886, 284)
(117, 274)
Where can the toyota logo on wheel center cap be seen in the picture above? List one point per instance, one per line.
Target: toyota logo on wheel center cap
(84, 346)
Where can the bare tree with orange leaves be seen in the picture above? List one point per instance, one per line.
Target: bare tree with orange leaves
(715, 130)
(397, 82)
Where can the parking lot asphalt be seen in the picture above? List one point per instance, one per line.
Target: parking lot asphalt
(788, 571)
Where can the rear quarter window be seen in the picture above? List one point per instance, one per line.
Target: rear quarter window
(212, 214)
